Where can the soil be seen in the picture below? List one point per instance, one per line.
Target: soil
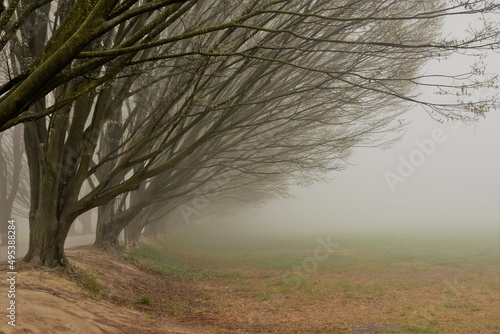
(54, 301)
(106, 293)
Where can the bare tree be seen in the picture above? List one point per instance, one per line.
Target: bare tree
(97, 34)
(14, 192)
(140, 93)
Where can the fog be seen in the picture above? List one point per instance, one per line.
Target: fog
(448, 183)
(455, 189)
(441, 177)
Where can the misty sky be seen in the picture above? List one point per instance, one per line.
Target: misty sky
(456, 187)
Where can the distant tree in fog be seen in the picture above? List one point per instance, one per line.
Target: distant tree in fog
(132, 96)
(14, 179)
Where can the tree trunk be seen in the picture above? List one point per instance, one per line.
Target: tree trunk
(46, 242)
(134, 233)
(135, 229)
(49, 223)
(151, 229)
(8, 195)
(107, 232)
(110, 225)
(47, 236)
(4, 217)
(5, 210)
(167, 228)
(107, 237)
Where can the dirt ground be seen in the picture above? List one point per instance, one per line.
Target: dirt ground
(49, 301)
(103, 291)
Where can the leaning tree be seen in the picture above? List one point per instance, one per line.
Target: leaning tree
(268, 87)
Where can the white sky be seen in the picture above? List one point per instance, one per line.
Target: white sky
(456, 187)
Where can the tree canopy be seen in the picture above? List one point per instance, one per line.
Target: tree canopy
(131, 103)
(101, 39)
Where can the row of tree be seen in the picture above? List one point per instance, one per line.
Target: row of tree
(138, 108)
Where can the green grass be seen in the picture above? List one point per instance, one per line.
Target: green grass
(423, 329)
(203, 252)
(362, 269)
(429, 248)
(369, 252)
(159, 261)
(266, 252)
(364, 289)
(89, 282)
(144, 299)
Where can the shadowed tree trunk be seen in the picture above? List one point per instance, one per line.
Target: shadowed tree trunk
(135, 228)
(47, 237)
(151, 230)
(106, 232)
(10, 178)
(49, 224)
(110, 225)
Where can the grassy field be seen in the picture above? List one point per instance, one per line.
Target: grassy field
(254, 282)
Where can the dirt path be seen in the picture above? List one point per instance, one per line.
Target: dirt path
(71, 242)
